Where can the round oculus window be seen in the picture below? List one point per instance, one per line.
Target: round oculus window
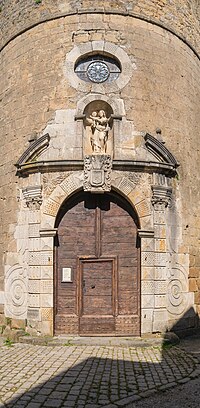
(97, 68)
(98, 71)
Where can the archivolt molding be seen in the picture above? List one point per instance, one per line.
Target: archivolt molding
(33, 150)
(138, 198)
(117, 104)
(103, 47)
(160, 151)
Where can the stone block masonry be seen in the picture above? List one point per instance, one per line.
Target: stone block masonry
(180, 16)
(157, 92)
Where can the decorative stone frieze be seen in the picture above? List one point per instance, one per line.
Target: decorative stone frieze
(34, 272)
(34, 300)
(51, 180)
(147, 258)
(97, 170)
(47, 314)
(160, 301)
(126, 186)
(41, 258)
(33, 197)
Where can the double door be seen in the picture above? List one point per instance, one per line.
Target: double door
(97, 290)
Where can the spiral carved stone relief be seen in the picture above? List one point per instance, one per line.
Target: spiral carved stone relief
(16, 292)
(177, 292)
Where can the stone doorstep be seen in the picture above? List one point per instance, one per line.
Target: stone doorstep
(147, 340)
(154, 340)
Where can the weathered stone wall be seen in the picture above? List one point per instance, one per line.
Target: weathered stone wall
(181, 16)
(163, 92)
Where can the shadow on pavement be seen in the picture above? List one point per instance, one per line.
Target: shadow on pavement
(93, 376)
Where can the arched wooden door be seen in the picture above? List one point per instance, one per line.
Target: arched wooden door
(97, 279)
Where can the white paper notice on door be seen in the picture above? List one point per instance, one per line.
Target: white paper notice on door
(66, 274)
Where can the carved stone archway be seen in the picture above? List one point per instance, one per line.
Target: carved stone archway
(140, 200)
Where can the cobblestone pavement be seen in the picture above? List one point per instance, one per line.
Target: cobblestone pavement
(182, 396)
(36, 376)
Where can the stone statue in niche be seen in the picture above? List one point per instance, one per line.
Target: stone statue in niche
(99, 124)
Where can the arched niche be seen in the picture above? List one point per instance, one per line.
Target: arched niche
(98, 128)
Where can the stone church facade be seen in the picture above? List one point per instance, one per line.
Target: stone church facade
(99, 175)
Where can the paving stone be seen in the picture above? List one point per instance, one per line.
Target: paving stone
(110, 406)
(109, 376)
(45, 391)
(52, 403)
(39, 398)
(167, 386)
(184, 380)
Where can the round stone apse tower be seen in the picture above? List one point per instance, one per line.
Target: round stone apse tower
(99, 168)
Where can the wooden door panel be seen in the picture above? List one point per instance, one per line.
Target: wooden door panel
(128, 303)
(127, 276)
(122, 248)
(115, 235)
(97, 305)
(128, 261)
(114, 221)
(97, 296)
(96, 287)
(95, 273)
(70, 304)
(97, 326)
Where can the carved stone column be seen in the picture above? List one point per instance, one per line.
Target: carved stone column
(40, 287)
(160, 199)
(147, 280)
(40, 265)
